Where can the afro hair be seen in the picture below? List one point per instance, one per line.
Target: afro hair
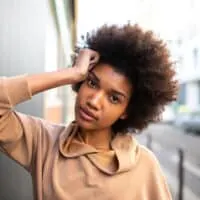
(145, 60)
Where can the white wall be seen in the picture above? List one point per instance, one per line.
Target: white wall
(22, 36)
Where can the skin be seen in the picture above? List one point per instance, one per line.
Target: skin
(85, 61)
(105, 93)
(96, 132)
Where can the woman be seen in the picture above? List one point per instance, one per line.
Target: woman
(123, 81)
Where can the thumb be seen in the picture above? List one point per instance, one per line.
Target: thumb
(94, 58)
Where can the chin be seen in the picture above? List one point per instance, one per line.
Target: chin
(85, 124)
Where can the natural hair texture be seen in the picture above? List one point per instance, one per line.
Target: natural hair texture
(145, 60)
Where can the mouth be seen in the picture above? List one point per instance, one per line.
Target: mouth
(86, 115)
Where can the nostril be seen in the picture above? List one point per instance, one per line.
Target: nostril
(92, 105)
(95, 100)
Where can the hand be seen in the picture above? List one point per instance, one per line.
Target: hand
(85, 61)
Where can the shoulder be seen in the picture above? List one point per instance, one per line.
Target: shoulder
(40, 126)
(148, 158)
(150, 166)
(155, 180)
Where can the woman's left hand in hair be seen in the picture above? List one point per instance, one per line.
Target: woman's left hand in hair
(84, 62)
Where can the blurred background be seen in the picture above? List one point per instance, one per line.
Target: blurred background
(40, 35)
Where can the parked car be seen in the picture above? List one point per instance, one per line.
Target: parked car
(193, 123)
(189, 122)
(180, 119)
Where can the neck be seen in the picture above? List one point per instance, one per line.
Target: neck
(100, 139)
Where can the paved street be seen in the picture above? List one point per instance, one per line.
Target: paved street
(165, 143)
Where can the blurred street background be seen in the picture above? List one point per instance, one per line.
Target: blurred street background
(40, 35)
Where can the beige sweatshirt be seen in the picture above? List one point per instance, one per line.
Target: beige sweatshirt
(65, 168)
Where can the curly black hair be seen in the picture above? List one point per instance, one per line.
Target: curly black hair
(145, 60)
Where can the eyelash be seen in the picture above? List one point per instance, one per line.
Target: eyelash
(92, 84)
(113, 101)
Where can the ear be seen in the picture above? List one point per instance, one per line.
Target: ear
(123, 116)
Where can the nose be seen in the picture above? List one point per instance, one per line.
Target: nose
(95, 100)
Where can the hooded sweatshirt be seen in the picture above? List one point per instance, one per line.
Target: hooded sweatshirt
(64, 167)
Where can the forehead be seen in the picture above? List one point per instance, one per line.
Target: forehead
(110, 78)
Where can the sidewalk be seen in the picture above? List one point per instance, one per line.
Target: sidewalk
(171, 179)
(173, 183)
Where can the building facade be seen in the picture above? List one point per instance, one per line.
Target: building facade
(36, 36)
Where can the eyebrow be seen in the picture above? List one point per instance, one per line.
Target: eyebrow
(94, 76)
(113, 90)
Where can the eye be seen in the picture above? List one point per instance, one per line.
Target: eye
(114, 99)
(91, 83)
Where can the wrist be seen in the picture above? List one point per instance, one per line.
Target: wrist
(77, 74)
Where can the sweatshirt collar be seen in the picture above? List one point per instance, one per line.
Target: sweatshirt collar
(124, 151)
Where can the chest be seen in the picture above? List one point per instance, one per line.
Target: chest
(78, 179)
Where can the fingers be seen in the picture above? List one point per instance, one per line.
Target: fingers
(86, 57)
(94, 57)
(91, 66)
(94, 60)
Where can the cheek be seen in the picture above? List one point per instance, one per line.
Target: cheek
(113, 113)
(116, 111)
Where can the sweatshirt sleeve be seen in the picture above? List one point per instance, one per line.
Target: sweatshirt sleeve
(18, 132)
(160, 189)
(157, 184)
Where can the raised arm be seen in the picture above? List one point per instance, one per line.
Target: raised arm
(41, 82)
(20, 133)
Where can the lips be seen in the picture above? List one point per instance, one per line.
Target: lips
(86, 114)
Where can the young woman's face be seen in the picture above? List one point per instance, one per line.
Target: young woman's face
(102, 98)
